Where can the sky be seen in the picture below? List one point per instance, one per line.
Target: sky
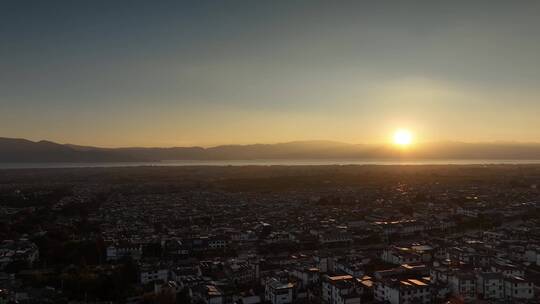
(181, 73)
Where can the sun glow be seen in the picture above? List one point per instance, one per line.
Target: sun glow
(403, 138)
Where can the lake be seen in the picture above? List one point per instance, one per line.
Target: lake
(271, 162)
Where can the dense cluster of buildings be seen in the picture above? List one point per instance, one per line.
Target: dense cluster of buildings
(391, 243)
(20, 251)
(499, 265)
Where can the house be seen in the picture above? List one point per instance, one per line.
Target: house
(518, 288)
(277, 292)
(400, 255)
(325, 263)
(340, 290)
(507, 269)
(339, 236)
(439, 274)
(186, 270)
(426, 252)
(532, 255)
(402, 227)
(217, 242)
(490, 285)
(403, 290)
(307, 275)
(150, 273)
(19, 250)
(468, 212)
(349, 267)
(240, 271)
(209, 294)
(463, 285)
(118, 251)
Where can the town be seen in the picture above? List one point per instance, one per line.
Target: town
(271, 234)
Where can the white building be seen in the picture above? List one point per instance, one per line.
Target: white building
(490, 285)
(209, 294)
(403, 291)
(217, 243)
(338, 236)
(400, 255)
(463, 286)
(150, 274)
(532, 255)
(116, 252)
(340, 290)
(277, 292)
(518, 288)
(308, 276)
(507, 269)
(325, 263)
(439, 274)
(469, 212)
(354, 269)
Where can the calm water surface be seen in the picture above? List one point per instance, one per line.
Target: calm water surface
(274, 162)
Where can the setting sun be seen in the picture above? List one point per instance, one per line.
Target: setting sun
(402, 137)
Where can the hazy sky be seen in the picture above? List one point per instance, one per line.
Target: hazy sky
(160, 73)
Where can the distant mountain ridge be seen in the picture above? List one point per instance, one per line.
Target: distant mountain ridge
(22, 150)
(14, 150)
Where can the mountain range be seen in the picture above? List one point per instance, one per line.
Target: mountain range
(14, 150)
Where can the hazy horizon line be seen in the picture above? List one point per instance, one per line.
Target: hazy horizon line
(206, 146)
